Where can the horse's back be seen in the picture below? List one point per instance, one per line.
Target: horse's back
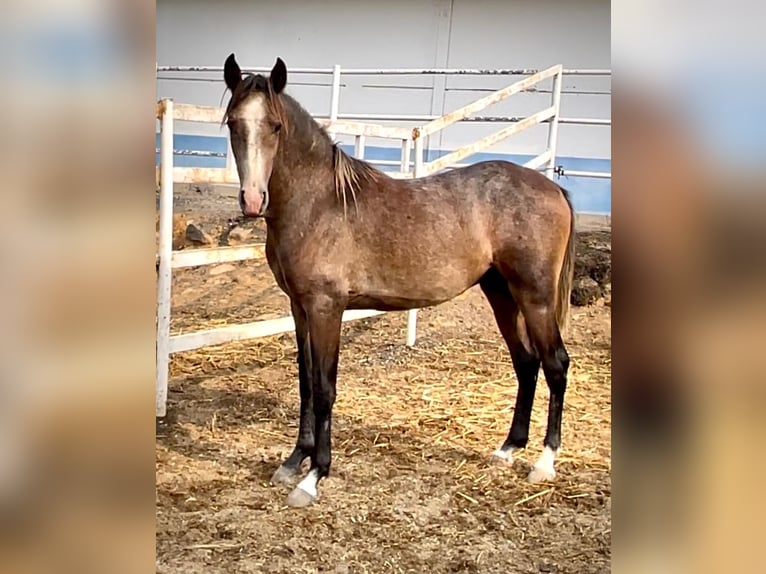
(509, 179)
(447, 230)
(499, 197)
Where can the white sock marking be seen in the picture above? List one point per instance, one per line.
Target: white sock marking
(545, 462)
(309, 483)
(506, 454)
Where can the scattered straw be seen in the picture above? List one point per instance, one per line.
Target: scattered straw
(533, 496)
(214, 546)
(468, 498)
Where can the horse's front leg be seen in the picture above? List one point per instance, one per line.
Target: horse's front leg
(289, 470)
(324, 315)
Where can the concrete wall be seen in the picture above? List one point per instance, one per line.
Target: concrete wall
(405, 34)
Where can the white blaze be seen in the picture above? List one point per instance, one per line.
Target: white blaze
(251, 167)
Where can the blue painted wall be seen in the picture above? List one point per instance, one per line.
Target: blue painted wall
(589, 195)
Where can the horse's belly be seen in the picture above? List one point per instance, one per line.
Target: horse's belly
(428, 289)
(390, 303)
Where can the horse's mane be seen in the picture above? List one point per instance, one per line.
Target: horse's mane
(348, 171)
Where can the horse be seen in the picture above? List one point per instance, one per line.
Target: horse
(342, 234)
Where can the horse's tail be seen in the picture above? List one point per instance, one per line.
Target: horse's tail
(566, 275)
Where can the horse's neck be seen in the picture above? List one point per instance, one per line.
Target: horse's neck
(302, 174)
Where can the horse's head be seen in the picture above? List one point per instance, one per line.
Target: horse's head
(255, 117)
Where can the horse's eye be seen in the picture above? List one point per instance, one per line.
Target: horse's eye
(277, 127)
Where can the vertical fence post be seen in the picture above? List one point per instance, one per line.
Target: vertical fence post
(406, 147)
(231, 165)
(334, 98)
(165, 252)
(553, 125)
(359, 142)
(419, 157)
(412, 314)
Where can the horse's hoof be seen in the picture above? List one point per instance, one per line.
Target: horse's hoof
(284, 475)
(539, 474)
(299, 498)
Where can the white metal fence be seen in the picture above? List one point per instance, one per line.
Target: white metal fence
(338, 124)
(213, 74)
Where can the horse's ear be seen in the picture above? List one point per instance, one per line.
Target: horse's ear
(278, 76)
(232, 75)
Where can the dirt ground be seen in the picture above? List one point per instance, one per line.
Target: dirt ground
(411, 489)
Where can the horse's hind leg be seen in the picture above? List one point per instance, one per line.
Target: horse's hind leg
(526, 363)
(538, 309)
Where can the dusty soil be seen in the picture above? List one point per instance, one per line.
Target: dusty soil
(411, 489)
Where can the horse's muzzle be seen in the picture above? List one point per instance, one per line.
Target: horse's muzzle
(253, 204)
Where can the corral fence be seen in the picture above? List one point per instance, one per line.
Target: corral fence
(411, 141)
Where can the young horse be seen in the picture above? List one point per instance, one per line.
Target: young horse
(343, 235)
